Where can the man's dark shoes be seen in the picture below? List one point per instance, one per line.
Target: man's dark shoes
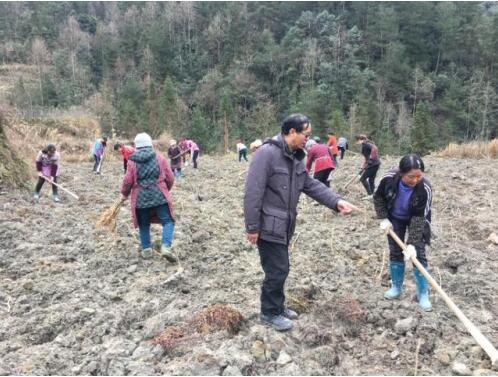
(289, 313)
(279, 322)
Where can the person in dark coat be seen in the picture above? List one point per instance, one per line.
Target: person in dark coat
(276, 178)
(371, 164)
(403, 200)
(175, 157)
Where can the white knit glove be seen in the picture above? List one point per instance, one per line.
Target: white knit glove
(410, 253)
(385, 225)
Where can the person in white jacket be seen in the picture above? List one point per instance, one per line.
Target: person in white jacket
(241, 150)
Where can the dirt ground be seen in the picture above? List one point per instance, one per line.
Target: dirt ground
(76, 299)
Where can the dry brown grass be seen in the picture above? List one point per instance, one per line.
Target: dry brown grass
(299, 303)
(172, 337)
(13, 170)
(349, 310)
(73, 136)
(108, 217)
(217, 317)
(474, 149)
(345, 310)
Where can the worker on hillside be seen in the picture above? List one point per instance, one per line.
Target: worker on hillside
(321, 155)
(98, 149)
(175, 158)
(241, 150)
(342, 145)
(274, 182)
(403, 200)
(370, 165)
(47, 166)
(126, 151)
(189, 146)
(149, 180)
(332, 143)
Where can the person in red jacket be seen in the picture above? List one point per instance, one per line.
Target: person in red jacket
(126, 151)
(332, 143)
(321, 155)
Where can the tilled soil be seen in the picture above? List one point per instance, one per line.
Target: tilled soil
(77, 299)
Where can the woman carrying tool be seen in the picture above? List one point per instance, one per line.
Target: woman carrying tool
(126, 151)
(321, 155)
(149, 179)
(98, 149)
(175, 158)
(241, 150)
(371, 164)
(47, 165)
(403, 200)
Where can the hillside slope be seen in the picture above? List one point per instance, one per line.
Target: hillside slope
(76, 300)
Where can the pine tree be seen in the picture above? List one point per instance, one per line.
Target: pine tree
(168, 106)
(421, 133)
(200, 131)
(226, 118)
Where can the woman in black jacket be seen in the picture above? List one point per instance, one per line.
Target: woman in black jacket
(371, 164)
(403, 200)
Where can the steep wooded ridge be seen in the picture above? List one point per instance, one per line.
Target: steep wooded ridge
(413, 75)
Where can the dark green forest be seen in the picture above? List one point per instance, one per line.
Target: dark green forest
(412, 75)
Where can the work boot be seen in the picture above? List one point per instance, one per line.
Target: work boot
(289, 313)
(397, 277)
(422, 290)
(147, 253)
(36, 197)
(56, 198)
(167, 253)
(279, 322)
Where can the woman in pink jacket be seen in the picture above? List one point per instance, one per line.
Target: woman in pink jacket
(321, 155)
(47, 165)
(149, 180)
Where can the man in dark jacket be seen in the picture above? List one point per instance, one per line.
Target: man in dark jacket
(276, 178)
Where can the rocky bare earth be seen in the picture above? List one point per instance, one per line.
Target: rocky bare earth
(76, 299)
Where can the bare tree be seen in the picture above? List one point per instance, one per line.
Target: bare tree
(40, 56)
(71, 38)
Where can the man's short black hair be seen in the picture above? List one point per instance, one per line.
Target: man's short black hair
(117, 146)
(296, 121)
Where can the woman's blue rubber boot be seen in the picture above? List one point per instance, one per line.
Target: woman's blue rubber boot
(422, 290)
(397, 278)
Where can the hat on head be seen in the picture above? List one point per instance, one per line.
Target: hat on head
(172, 142)
(143, 140)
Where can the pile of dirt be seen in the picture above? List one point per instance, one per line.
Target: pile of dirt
(75, 299)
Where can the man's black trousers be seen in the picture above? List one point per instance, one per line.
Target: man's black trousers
(275, 263)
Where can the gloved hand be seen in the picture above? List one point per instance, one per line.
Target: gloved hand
(385, 225)
(410, 253)
(123, 198)
(40, 174)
